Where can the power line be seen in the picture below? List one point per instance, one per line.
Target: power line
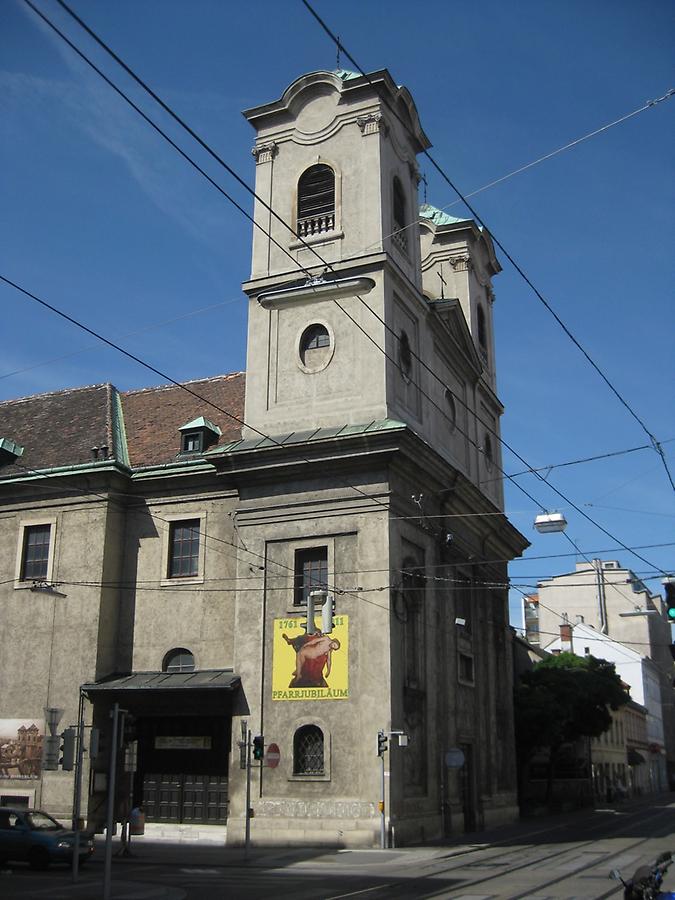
(149, 327)
(277, 217)
(585, 459)
(655, 444)
(648, 105)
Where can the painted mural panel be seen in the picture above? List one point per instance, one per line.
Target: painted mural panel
(21, 748)
(310, 666)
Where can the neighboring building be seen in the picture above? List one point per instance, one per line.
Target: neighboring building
(160, 556)
(643, 678)
(615, 602)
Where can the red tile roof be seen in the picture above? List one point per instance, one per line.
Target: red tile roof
(153, 416)
(57, 429)
(60, 429)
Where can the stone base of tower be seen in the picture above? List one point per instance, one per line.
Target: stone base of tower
(298, 831)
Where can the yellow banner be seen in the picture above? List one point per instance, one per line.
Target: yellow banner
(310, 666)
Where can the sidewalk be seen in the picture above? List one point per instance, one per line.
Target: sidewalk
(149, 851)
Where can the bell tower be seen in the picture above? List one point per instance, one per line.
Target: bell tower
(336, 162)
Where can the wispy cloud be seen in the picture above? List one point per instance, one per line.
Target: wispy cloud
(83, 105)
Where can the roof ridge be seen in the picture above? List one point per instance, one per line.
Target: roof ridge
(84, 387)
(172, 386)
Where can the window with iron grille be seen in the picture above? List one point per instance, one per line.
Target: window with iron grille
(311, 572)
(35, 556)
(184, 549)
(178, 660)
(400, 234)
(316, 201)
(308, 751)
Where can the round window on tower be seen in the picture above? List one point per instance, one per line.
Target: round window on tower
(316, 346)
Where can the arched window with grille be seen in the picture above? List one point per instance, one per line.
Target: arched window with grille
(178, 660)
(308, 751)
(316, 201)
(482, 331)
(400, 217)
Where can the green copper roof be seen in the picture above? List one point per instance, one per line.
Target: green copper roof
(201, 422)
(437, 216)
(306, 437)
(346, 75)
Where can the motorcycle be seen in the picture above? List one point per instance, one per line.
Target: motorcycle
(647, 880)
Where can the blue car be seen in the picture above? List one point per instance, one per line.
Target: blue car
(32, 836)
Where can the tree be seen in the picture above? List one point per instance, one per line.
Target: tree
(562, 699)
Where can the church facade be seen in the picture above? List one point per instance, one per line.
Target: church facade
(355, 466)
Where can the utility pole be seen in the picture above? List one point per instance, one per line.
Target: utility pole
(112, 772)
(78, 786)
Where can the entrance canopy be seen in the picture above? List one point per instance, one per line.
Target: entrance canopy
(206, 692)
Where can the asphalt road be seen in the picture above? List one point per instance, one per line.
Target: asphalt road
(565, 857)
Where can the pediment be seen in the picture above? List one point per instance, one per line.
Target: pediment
(451, 315)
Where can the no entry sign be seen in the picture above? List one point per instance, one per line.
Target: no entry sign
(272, 756)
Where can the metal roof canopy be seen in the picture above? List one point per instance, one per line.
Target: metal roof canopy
(203, 692)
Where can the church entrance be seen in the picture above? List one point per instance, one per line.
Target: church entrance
(186, 799)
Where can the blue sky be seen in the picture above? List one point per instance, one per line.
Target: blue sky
(103, 219)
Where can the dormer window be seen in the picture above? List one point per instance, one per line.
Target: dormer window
(316, 201)
(192, 442)
(198, 435)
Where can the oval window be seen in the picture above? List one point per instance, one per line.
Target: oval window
(315, 347)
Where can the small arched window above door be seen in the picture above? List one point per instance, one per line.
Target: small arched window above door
(178, 660)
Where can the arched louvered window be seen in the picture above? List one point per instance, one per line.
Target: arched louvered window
(178, 660)
(481, 327)
(308, 751)
(316, 201)
(400, 233)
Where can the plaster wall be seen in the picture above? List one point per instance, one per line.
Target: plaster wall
(50, 636)
(339, 807)
(193, 613)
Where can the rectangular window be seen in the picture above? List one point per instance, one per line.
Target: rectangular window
(184, 549)
(311, 573)
(35, 556)
(466, 668)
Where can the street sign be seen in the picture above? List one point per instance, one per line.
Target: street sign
(454, 758)
(272, 756)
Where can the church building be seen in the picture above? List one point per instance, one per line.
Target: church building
(160, 547)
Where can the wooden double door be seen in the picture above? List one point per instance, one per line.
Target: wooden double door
(184, 798)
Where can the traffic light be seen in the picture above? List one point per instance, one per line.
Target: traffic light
(382, 740)
(258, 747)
(67, 750)
(669, 585)
(50, 752)
(327, 610)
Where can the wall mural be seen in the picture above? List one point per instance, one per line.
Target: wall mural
(21, 748)
(310, 666)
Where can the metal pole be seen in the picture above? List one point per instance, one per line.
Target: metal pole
(247, 843)
(383, 829)
(78, 786)
(112, 770)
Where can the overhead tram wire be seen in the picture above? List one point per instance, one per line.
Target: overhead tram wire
(286, 225)
(654, 442)
(650, 104)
